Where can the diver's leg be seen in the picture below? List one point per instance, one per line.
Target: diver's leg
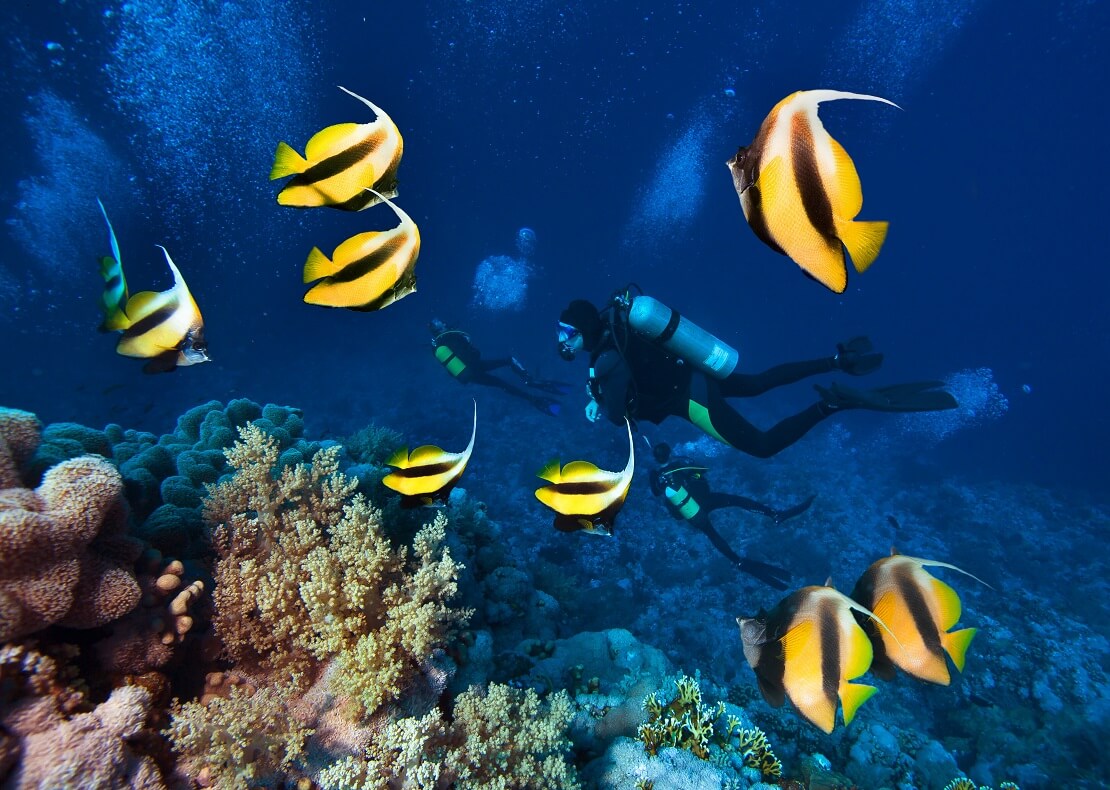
(751, 384)
(546, 405)
(721, 500)
(736, 431)
(768, 574)
(487, 365)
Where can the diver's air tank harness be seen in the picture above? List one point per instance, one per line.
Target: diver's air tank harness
(677, 334)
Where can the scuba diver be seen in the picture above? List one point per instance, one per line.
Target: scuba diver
(455, 351)
(688, 497)
(647, 362)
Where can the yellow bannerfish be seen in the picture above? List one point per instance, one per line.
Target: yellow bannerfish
(368, 271)
(800, 191)
(807, 648)
(114, 299)
(919, 609)
(341, 162)
(584, 497)
(165, 328)
(427, 474)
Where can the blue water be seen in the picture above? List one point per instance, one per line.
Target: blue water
(604, 128)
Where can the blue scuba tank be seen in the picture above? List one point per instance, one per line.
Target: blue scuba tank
(677, 334)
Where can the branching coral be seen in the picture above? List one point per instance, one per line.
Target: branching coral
(499, 739)
(237, 741)
(963, 783)
(306, 574)
(685, 723)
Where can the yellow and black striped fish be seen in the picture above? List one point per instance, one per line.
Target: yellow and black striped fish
(427, 474)
(368, 271)
(114, 298)
(918, 609)
(807, 648)
(165, 328)
(584, 497)
(340, 163)
(800, 191)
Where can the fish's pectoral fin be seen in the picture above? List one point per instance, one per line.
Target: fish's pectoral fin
(957, 643)
(319, 266)
(287, 162)
(852, 695)
(166, 362)
(774, 694)
(863, 240)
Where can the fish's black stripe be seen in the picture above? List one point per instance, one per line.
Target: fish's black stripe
(112, 281)
(758, 221)
(918, 608)
(152, 321)
(360, 267)
(427, 470)
(830, 650)
(337, 163)
(808, 177)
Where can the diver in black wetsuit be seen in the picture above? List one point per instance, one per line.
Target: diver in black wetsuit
(459, 356)
(685, 490)
(633, 377)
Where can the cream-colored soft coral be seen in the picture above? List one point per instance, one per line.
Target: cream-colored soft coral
(306, 575)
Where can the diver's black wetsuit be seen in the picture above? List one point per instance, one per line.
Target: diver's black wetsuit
(630, 376)
(464, 361)
(687, 495)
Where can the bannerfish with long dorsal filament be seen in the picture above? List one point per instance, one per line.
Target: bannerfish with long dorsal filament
(808, 648)
(165, 328)
(800, 191)
(584, 497)
(368, 271)
(114, 299)
(341, 162)
(427, 474)
(918, 609)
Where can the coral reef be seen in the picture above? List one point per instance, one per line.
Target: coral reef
(65, 556)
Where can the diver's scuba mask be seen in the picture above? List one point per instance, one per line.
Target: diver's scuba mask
(567, 337)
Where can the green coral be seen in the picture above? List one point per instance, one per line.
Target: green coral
(963, 783)
(685, 723)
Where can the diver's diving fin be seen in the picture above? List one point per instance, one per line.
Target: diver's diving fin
(916, 396)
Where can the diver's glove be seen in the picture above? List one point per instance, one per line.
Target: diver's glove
(768, 574)
(593, 411)
(916, 396)
(856, 357)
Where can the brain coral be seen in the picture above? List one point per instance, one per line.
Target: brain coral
(53, 566)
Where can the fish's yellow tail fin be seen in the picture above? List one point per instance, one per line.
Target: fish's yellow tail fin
(287, 162)
(319, 266)
(957, 643)
(852, 695)
(863, 240)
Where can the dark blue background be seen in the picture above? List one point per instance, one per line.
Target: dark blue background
(555, 116)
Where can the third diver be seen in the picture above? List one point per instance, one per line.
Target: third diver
(684, 371)
(461, 358)
(685, 490)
